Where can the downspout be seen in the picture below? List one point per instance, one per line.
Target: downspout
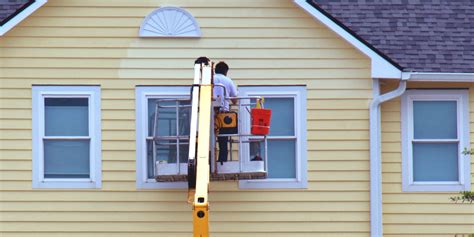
(376, 225)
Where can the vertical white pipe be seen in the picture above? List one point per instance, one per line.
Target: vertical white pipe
(376, 225)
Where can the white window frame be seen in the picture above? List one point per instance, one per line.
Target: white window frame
(142, 94)
(299, 95)
(93, 95)
(462, 99)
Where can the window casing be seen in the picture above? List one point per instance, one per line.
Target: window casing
(66, 137)
(435, 131)
(293, 134)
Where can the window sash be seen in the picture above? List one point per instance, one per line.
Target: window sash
(434, 107)
(45, 137)
(67, 138)
(178, 142)
(433, 160)
(432, 141)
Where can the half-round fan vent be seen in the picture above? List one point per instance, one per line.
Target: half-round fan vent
(170, 22)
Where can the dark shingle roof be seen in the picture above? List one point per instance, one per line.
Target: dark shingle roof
(418, 35)
(9, 8)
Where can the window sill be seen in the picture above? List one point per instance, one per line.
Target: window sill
(67, 185)
(436, 187)
(151, 184)
(273, 184)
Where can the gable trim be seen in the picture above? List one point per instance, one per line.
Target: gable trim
(17, 11)
(381, 65)
(20, 15)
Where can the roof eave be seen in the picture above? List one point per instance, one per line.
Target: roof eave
(380, 67)
(21, 16)
(438, 76)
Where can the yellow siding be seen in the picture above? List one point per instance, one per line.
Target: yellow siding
(424, 213)
(95, 42)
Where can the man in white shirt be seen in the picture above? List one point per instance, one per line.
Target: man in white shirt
(220, 78)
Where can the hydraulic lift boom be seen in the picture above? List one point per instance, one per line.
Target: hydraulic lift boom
(201, 132)
(199, 167)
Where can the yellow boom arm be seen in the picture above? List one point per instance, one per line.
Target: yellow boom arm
(200, 167)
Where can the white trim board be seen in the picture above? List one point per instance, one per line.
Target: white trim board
(21, 16)
(380, 67)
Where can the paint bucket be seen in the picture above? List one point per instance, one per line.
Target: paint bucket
(261, 121)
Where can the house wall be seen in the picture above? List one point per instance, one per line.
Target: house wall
(418, 213)
(93, 42)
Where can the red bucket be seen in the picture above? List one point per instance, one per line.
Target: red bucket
(261, 121)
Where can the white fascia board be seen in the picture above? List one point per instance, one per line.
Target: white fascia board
(438, 77)
(21, 16)
(380, 67)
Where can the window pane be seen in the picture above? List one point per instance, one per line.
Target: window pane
(435, 162)
(281, 159)
(66, 116)
(283, 112)
(66, 159)
(183, 152)
(257, 150)
(165, 153)
(167, 117)
(184, 117)
(435, 119)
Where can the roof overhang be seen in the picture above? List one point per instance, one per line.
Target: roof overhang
(20, 16)
(381, 66)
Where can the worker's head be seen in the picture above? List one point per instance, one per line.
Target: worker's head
(221, 68)
(202, 60)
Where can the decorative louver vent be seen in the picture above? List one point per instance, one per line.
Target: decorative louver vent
(170, 22)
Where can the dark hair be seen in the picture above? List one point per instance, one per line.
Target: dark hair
(221, 68)
(201, 60)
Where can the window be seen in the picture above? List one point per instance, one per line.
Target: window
(435, 131)
(286, 142)
(66, 137)
(287, 139)
(175, 116)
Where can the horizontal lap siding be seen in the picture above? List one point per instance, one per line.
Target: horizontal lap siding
(90, 42)
(422, 213)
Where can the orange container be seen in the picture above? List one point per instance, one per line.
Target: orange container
(261, 121)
